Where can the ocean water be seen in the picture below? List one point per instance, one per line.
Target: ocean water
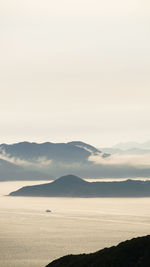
(30, 237)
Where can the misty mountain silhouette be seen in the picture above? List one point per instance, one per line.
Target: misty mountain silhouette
(49, 159)
(64, 152)
(132, 148)
(73, 186)
(131, 151)
(131, 253)
(56, 159)
(10, 171)
(133, 145)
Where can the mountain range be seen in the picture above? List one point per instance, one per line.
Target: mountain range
(28, 160)
(128, 148)
(64, 152)
(34, 161)
(131, 145)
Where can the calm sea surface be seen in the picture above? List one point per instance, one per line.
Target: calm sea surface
(30, 237)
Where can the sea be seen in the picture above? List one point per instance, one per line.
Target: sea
(32, 237)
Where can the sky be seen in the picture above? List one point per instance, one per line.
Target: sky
(75, 70)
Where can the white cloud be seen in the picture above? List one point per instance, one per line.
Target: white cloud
(117, 159)
(39, 162)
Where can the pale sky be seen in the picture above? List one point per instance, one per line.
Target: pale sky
(75, 70)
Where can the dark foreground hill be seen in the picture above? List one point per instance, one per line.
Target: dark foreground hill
(73, 186)
(132, 253)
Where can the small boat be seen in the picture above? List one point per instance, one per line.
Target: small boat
(48, 210)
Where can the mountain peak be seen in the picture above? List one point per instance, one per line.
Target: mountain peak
(69, 179)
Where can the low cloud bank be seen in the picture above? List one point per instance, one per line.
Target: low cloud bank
(39, 162)
(117, 159)
(113, 166)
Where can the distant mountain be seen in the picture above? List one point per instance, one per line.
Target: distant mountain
(10, 171)
(63, 152)
(131, 151)
(131, 253)
(133, 145)
(130, 148)
(73, 186)
(38, 161)
(49, 159)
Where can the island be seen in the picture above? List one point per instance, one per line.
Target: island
(73, 186)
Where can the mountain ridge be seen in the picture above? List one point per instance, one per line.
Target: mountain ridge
(130, 253)
(46, 158)
(71, 151)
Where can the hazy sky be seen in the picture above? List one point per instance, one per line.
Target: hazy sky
(75, 70)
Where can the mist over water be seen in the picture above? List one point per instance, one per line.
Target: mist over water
(31, 237)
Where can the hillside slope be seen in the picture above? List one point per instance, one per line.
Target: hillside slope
(132, 253)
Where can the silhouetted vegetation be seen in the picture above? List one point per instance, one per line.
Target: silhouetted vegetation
(131, 253)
